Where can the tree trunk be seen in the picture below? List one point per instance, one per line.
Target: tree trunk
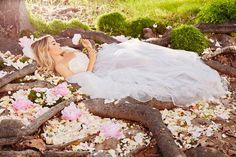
(13, 20)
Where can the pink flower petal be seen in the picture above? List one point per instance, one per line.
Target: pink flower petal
(60, 90)
(71, 112)
(22, 104)
(111, 130)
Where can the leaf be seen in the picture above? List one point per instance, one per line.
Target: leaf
(35, 143)
(205, 141)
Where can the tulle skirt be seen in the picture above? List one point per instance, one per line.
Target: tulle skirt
(145, 71)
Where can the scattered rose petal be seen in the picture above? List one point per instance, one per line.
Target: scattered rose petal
(111, 130)
(22, 104)
(60, 90)
(71, 112)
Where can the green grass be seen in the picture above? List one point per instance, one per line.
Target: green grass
(171, 12)
(166, 11)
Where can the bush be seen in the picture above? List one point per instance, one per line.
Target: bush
(135, 27)
(56, 26)
(233, 35)
(188, 38)
(217, 11)
(75, 23)
(112, 23)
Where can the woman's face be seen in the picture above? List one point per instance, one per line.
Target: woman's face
(54, 47)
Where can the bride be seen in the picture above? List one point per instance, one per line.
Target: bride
(132, 68)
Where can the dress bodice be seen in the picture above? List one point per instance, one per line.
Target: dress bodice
(79, 63)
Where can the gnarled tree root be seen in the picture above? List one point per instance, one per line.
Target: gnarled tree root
(147, 116)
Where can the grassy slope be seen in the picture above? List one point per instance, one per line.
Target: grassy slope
(168, 11)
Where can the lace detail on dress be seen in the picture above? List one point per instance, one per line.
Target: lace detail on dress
(79, 63)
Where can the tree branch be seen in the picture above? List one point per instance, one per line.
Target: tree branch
(24, 86)
(18, 74)
(225, 50)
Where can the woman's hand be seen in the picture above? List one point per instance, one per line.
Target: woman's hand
(86, 43)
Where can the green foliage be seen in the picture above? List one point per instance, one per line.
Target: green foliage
(54, 27)
(72, 88)
(188, 38)
(39, 24)
(75, 23)
(24, 59)
(217, 11)
(112, 23)
(32, 96)
(37, 34)
(233, 35)
(135, 27)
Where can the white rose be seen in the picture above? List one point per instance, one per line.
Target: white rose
(76, 38)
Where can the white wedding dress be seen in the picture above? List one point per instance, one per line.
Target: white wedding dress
(145, 71)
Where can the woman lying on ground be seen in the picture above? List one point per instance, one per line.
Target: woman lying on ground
(132, 68)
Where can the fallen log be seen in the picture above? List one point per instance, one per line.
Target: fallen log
(217, 28)
(25, 153)
(99, 37)
(222, 68)
(24, 86)
(18, 74)
(33, 153)
(147, 116)
(225, 50)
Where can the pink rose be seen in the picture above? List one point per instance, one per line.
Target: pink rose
(111, 130)
(71, 112)
(60, 90)
(22, 104)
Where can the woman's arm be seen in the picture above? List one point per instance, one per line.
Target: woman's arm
(92, 59)
(91, 54)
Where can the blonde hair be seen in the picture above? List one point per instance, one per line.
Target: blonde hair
(42, 56)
